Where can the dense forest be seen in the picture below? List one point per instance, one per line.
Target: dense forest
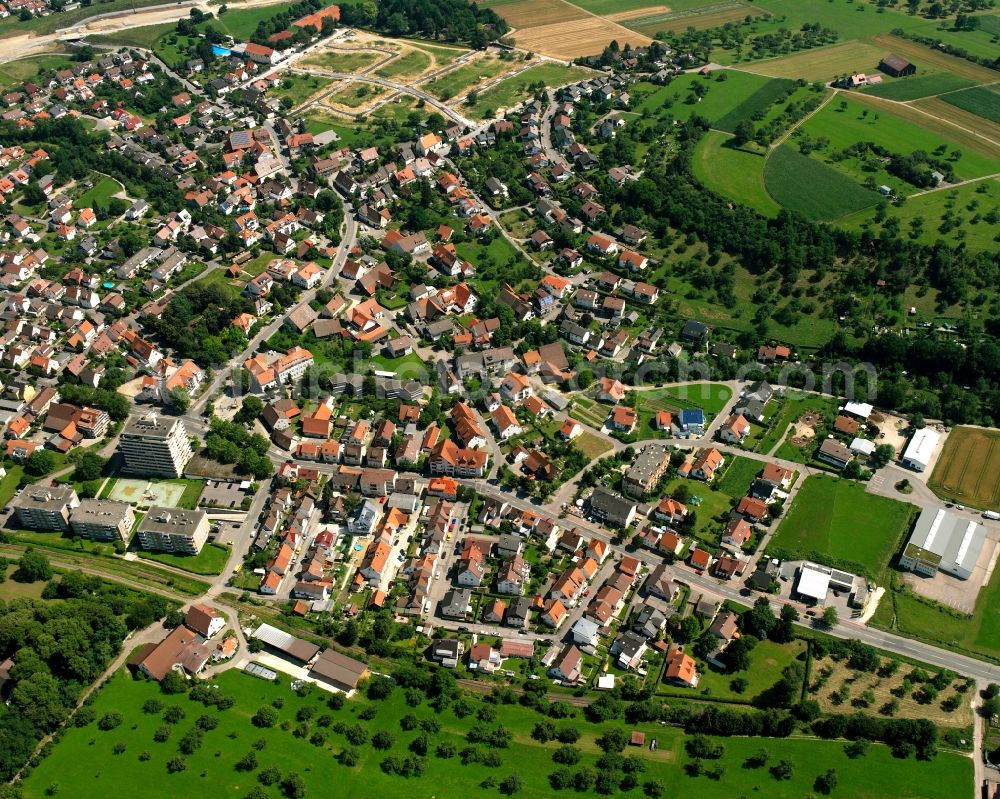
(451, 20)
(59, 645)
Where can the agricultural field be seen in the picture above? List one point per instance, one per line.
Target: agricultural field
(674, 19)
(721, 92)
(917, 86)
(982, 101)
(564, 30)
(467, 77)
(513, 90)
(967, 469)
(755, 104)
(824, 63)
(343, 60)
(835, 521)
(129, 757)
(837, 687)
(812, 188)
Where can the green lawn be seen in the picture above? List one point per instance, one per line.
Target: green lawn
(103, 190)
(8, 483)
(85, 758)
(211, 560)
(407, 367)
(710, 397)
(807, 185)
(11, 589)
(357, 94)
(146, 36)
(736, 173)
(514, 90)
(835, 521)
(767, 661)
(63, 541)
(719, 99)
(781, 412)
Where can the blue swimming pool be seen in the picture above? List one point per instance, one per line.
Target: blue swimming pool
(221, 51)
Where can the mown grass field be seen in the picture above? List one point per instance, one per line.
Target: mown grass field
(740, 473)
(837, 522)
(85, 758)
(513, 90)
(145, 36)
(356, 95)
(981, 100)
(967, 469)
(737, 173)
(240, 23)
(102, 191)
(14, 73)
(812, 188)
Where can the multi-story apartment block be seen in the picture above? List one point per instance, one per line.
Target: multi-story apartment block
(155, 446)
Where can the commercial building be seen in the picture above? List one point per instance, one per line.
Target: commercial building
(943, 541)
(102, 519)
(815, 580)
(155, 447)
(42, 508)
(918, 452)
(174, 530)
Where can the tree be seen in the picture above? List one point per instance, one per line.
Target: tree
(179, 400)
(88, 467)
(266, 716)
(511, 784)
(293, 786)
(826, 782)
(884, 453)
(40, 463)
(744, 132)
(830, 616)
(173, 682)
(783, 770)
(32, 567)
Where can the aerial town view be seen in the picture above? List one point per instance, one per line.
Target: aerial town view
(440, 398)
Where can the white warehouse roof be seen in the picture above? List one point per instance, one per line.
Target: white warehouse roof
(921, 447)
(814, 581)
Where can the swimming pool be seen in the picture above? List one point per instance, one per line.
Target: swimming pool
(221, 51)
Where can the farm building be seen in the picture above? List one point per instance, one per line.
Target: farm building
(897, 66)
(917, 455)
(943, 541)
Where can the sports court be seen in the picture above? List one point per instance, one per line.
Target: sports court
(144, 493)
